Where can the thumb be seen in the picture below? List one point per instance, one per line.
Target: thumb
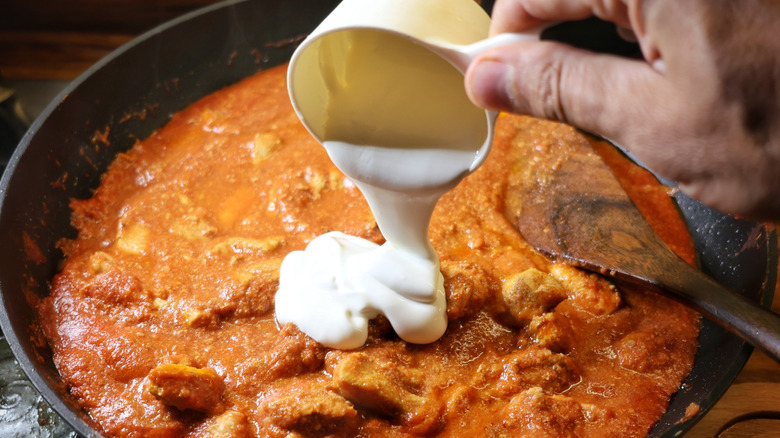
(600, 93)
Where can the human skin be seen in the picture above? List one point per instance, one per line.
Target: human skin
(702, 108)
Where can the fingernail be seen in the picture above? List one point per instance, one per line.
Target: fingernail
(660, 66)
(488, 85)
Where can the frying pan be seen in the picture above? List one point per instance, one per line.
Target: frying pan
(132, 92)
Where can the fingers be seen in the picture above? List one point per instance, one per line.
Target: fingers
(519, 15)
(598, 93)
(673, 112)
(676, 126)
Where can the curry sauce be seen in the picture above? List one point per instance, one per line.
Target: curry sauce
(161, 320)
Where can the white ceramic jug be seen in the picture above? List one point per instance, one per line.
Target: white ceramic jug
(390, 73)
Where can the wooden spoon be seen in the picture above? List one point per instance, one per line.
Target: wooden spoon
(577, 211)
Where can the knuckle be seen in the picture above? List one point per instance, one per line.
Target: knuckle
(549, 89)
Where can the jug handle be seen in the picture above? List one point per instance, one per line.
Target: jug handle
(462, 55)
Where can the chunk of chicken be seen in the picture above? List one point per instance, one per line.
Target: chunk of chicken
(467, 286)
(357, 379)
(229, 424)
(186, 388)
(246, 292)
(311, 412)
(542, 415)
(530, 294)
(552, 331)
(133, 238)
(263, 145)
(644, 352)
(194, 227)
(588, 291)
(292, 354)
(116, 286)
(370, 386)
(100, 262)
(523, 369)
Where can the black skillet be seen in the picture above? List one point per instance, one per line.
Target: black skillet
(133, 92)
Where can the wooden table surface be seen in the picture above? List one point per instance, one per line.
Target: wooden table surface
(751, 406)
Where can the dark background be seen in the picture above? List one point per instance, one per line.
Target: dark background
(59, 39)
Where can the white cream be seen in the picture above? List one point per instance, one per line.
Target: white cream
(382, 90)
(332, 289)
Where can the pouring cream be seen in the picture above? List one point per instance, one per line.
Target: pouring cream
(376, 135)
(380, 85)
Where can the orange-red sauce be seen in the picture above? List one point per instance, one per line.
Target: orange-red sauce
(162, 323)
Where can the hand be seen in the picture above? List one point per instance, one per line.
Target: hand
(702, 108)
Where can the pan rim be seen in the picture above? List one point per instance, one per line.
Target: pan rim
(83, 428)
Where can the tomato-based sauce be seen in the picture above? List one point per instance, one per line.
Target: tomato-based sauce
(162, 324)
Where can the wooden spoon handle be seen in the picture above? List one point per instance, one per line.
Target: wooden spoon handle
(737, 314)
